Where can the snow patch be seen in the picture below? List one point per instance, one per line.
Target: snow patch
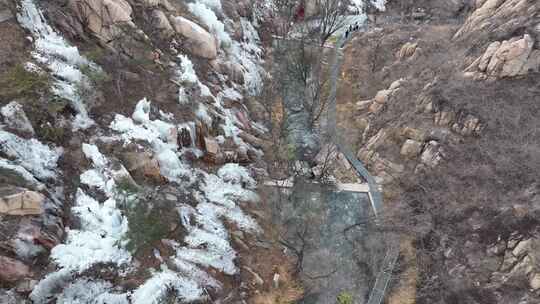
(162, 136)
(84, 291)
(236, 174)
(209, 18)
(62, 59)
(31, 154)
(98, 241)
(92, 152)
(154, 290)
(43, 292)
(22, 172)
(15, 117)
(248, 54)
(187, 74)
(215, 5)
(359, 5)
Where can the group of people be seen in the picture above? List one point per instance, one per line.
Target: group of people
(352, 28)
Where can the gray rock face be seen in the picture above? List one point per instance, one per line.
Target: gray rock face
(498, 18)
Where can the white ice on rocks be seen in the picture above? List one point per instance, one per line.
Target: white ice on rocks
(195, 273)
(62, 59)
(248, 54)
(139, 127)
(207, 243)
(44, 291)
(92, 152)
(202, 114)
(154, 290)
(159, 134)
(358, 5)
(22, 172)
(216, 201)
(226, 193)
(207, 16)
(31, 154)
(187, 74)
(215, 5)
(100, 238)
(236, 174)
(231, 122)
(85, 291)
(15, 117)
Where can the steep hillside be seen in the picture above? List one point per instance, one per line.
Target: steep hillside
(441, 100)
(128, 155)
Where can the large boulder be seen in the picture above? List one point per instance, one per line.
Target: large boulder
(235, 72)
(211, 148)
(432, 154)
(511, 57)
(20, 201)
(142, 165)
(486, 58)
(407, 50)
(411, 148)
(534, 281)
(508, 58)
(155, 3)
(104, 18)
(161, 22)
(199, 41)
(252, 140)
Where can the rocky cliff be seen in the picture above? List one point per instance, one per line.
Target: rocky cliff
(128, 153)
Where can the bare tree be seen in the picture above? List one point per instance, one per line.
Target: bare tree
(331, 17)
(283, 16)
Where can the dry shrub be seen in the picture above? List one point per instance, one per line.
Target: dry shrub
(289, 290)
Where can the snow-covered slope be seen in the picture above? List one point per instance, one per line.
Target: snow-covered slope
(209, 196)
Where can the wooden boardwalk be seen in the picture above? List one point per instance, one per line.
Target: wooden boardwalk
(346, 187)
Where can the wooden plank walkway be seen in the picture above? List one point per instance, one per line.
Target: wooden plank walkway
(346, 187)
